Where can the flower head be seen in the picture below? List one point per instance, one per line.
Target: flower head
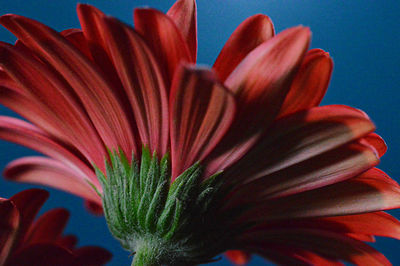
(201, 161)
(24, 241)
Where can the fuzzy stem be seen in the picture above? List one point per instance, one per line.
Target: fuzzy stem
(145, 255)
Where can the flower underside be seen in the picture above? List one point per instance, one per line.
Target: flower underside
(162, 222)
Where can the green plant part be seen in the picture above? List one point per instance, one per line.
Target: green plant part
(162, 222)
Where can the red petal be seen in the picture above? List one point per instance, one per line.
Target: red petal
(327, 244)
(94, 207)
(369, 192)
(76, 38)
(377, 142)
(49, 172)
(310, 84)
(238, 257)
(99, 100)
(184, 14)
(328, 168)
(142, 80)
(68, 241)
(55, 106)
(248, 35)
(164, 39)
(201, 112)
(48, 227)
(23, 133)
(92, 256)
(9, 224)
(260, 83)
(43, 255)
(283, 255)
(377, 223)
(299, 137)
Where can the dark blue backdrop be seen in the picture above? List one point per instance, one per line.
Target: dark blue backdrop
(362, 37)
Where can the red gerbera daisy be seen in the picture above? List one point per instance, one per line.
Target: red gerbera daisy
(27, 242)
(200, 161)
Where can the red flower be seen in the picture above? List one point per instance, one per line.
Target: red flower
(302, 176)
(24, 241)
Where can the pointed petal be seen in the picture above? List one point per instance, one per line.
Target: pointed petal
(55, 104)
(260, 84)
(142, 80)
(377, 142)
(9, 224)
(77, 39)
(184, 14)
(289, 255)
(201, 112)
(376, 223)
(299, 137)
(92, 256)
(49, 172)
(368, 192)
(48, 227)
(310, 84)
(99, 100)
(43, 254)
(329, 244)
(238, 257)
(90, 20)
(252, 32)
(164, 39)
(23, 133)
(28, 203)
(328, 168)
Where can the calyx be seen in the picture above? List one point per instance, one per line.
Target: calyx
(162, 223)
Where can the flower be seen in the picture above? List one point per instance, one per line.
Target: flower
(24, 241)
(240, 157)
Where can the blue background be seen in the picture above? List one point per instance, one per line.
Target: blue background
(362, 37)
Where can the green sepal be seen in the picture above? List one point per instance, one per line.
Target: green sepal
(143, 208)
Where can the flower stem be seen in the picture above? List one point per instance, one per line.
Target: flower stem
(145, 256)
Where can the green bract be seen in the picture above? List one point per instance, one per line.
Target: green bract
(162, 222)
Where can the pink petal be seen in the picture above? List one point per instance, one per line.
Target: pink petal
(142, 80)
(164, 38)
(9, 224)
(100, 102)
(44, 255)
(310, 84)
(298, 137)
(201, 112)
(23, 133)
(184, 14)
(260, 84)
(252, 32)
(48, 227)
(368, 192)
(49, 172)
